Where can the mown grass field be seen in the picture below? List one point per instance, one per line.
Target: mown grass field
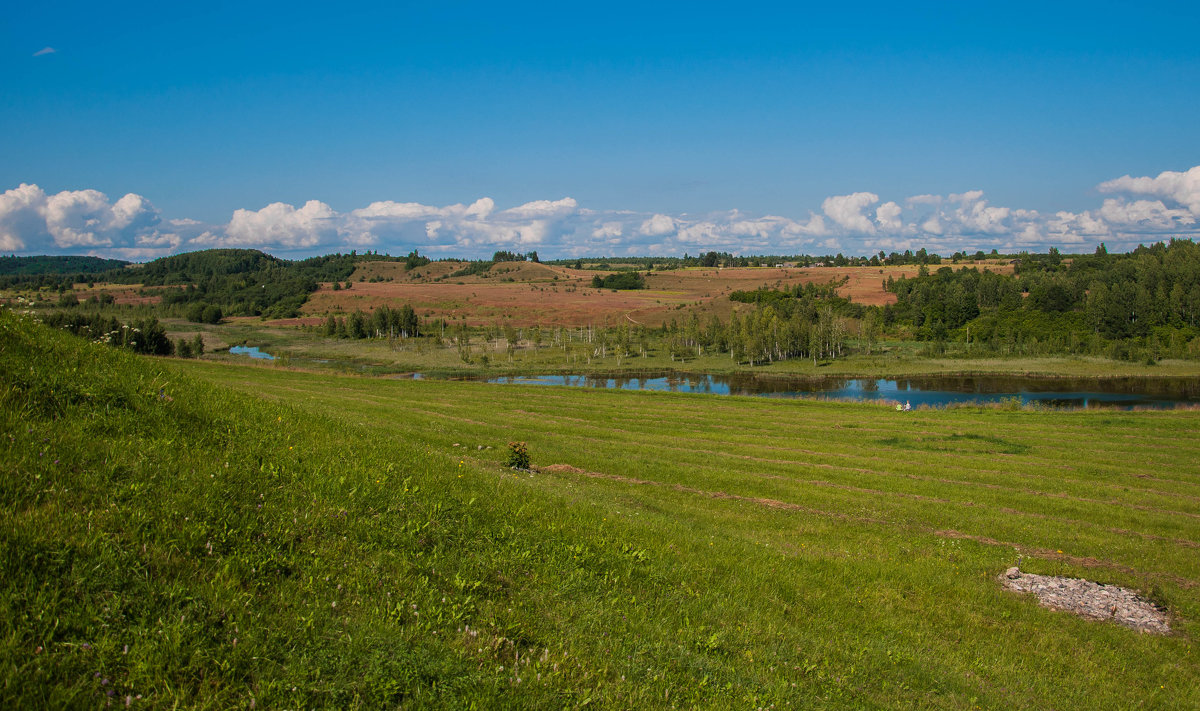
(200, 534)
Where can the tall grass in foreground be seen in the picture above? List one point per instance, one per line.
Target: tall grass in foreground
(338, 542)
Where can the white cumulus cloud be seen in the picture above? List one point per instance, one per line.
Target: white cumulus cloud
(888, 216)
(281, 226)
(608, 230)
(657, 226)
(541, 209)
(1147, 214)
(72, 219)
(389, 210)
(847, 211)
(1180, 188)
(20, 216)
(974, 215)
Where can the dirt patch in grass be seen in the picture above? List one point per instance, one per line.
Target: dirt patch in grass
(566, 468)
(1094, 601)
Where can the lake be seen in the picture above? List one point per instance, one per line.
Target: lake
(251, 351)
(928, 391)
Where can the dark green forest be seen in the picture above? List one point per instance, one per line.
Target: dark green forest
(54, 272)
(1145, 303)
(620, 280)
(57, 265)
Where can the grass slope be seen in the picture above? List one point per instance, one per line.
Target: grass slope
(320, 541)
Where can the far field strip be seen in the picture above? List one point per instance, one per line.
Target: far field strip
(851, 458)
(756, 442)
(707, 415)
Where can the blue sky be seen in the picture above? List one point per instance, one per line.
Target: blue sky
(621, 128)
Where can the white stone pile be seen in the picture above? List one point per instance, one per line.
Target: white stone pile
(1091, 600)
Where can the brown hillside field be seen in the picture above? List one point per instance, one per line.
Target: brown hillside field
(396, 271)
(525, 293)
(438, 271)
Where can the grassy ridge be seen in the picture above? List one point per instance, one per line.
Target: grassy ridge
(686, 550)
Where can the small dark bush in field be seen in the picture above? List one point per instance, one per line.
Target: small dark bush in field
(518, 455)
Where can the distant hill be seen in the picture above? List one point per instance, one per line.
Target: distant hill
(189, 267)
(45, 264)
(243, 282)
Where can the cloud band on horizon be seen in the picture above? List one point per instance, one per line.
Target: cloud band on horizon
(1144, 209)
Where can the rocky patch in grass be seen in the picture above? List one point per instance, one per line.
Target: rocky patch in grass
(1091, 600)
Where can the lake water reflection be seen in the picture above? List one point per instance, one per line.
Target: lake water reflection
(930, 391)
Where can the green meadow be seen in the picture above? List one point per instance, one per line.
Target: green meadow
(202, 534)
